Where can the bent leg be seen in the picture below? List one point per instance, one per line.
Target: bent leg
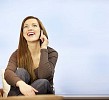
(43, 86)
(23, 75)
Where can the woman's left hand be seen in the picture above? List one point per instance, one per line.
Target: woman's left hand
(44, 41)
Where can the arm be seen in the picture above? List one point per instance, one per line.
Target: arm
(48, 60)
(10, 75)
(12, 79)
(47, 63)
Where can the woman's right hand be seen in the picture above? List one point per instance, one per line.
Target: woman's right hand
(26, 89)
(44, 41)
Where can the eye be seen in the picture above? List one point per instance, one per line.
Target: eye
(35, 25)
(25, 26)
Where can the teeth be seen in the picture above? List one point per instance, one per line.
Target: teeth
(30, 33)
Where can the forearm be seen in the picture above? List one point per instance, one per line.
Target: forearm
(47, 63)
(44, 69)
(10, 77)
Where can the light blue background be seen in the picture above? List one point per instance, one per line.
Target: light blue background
(77, 29)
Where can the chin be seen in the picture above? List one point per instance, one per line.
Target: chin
(35, 40)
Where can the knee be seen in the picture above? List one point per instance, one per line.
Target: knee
(43, 81)
(21, 70)
(23, 74)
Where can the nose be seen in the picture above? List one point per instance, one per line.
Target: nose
(30, 28)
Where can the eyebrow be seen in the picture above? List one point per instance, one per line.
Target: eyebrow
(32, 23)
(25, 24)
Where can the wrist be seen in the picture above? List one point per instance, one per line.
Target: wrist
(19, 83)
(43, 47)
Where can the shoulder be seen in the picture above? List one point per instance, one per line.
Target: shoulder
(14, 54)
(52, 51)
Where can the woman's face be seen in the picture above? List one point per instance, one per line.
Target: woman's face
(31, 30)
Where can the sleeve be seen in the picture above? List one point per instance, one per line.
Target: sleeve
(10, 75)
(47, 63)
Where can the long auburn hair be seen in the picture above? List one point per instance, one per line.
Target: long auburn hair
(24, 58)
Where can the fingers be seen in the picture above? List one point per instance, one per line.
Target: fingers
(44, 41)
(43, 37)
(41, 32)
(35, 90)
(28, 90)
(31, 93)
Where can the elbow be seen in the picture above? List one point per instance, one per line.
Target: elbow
(46, 75)
(56, 54)
(5, 75)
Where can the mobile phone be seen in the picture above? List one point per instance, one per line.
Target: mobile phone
(40, 39)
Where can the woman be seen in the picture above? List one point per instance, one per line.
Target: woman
(30, 69)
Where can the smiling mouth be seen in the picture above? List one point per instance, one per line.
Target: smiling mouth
(30, 33)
